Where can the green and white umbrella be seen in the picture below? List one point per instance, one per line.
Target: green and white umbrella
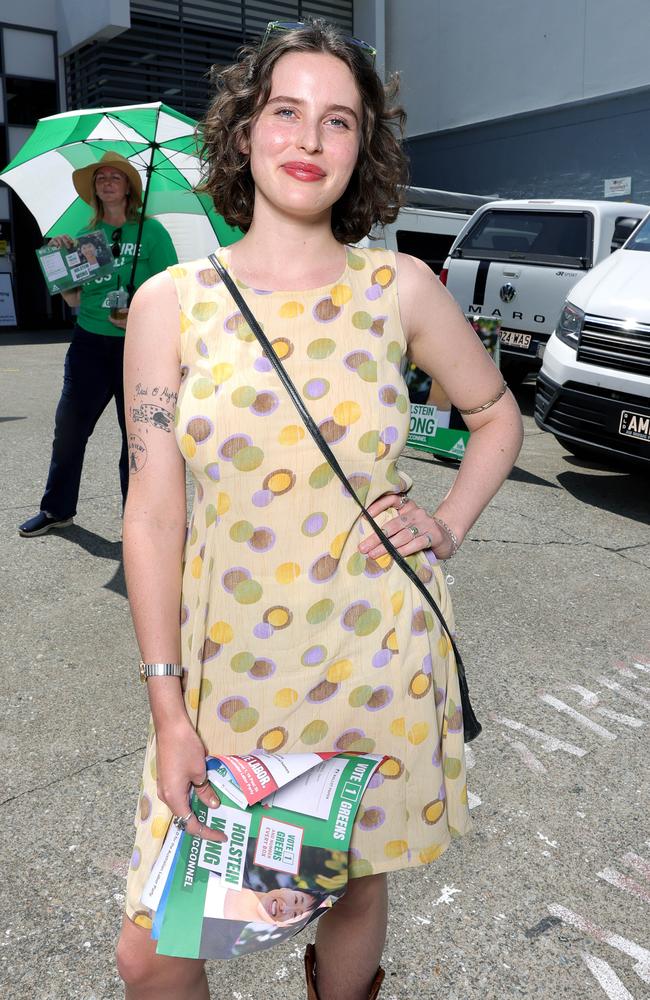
(159, 142)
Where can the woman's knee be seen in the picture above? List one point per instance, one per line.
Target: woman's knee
(366, 892)
(141, 968)
(135, 955)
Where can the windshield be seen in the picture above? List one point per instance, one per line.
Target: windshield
(640, 238)
(546, 237)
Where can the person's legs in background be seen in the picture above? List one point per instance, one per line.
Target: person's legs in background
(87, 390)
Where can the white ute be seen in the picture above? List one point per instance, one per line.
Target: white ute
(428, 223)
(593, 392)
(517, 261)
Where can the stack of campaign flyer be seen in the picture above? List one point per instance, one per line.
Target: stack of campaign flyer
(88, 258)
(288, 819)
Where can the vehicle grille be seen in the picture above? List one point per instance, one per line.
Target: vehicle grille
(543, 395)
(576, 412)
(612, 344)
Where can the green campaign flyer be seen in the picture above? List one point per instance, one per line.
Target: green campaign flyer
(89, 257)
(285, 862)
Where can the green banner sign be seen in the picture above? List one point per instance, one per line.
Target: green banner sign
(430, 429)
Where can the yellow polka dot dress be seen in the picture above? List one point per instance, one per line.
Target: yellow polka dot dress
(292, 639)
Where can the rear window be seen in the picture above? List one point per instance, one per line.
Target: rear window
(640, 239)
(544, 237)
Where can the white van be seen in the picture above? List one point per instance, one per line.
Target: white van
(517, 261)
(593, 392)
(428, 223)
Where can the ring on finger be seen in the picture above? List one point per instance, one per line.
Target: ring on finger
(429, 541)
(414, 531)
(202, 784)
(180, 822)
(403, 499)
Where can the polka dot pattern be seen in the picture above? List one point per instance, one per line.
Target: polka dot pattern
(291, 638)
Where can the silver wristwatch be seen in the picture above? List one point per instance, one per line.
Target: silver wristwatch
(159, 670)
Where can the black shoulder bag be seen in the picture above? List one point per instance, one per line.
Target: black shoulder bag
(471, 725)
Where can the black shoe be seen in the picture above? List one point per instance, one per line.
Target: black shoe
(41, 523)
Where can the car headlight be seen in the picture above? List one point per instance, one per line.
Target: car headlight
(569, 325)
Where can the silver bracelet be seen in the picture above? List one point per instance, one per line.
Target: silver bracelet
(453, 537)
(159, 670)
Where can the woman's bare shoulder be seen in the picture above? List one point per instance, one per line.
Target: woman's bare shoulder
(154, 315)
(421, 293)
(150, 292)
(413, 273)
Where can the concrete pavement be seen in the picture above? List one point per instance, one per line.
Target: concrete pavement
(549, 897)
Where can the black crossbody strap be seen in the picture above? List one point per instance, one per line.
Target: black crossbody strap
(471, 725)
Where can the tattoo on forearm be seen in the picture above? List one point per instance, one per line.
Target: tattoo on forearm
(162, 393)
(137, 453)
(154, 414)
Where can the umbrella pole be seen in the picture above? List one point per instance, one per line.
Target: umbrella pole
(131, 285)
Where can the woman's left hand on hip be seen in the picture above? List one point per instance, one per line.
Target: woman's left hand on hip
(411, 530)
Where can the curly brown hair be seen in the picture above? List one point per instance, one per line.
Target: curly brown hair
(375, 190)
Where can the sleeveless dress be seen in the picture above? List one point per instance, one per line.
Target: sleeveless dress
(292, 640)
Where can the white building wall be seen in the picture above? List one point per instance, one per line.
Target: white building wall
(75, 21)
(468, 61)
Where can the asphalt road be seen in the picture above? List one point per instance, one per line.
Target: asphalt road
(549, 897)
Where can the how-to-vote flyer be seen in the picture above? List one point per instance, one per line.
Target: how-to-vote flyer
(288, 819)
(88, 258)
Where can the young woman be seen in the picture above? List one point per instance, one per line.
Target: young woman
(297, 631)
(94, 362)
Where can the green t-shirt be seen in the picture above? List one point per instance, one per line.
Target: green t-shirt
(156, 253)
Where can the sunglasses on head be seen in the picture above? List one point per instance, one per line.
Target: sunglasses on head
(116, 237)
(277, 26)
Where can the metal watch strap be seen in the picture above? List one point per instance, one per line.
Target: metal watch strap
(148, 670)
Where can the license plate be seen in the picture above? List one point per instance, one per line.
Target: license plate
(636, 425)
(515, 339)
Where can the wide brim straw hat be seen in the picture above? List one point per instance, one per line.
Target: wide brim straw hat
(83, 177)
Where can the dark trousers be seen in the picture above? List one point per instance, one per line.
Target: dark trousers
(92, 377)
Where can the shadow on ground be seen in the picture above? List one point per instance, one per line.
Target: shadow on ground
(517, 475)
(22, 338)
(101, 547)
(623, 493)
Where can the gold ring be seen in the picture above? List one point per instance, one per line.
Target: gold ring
(202, 784)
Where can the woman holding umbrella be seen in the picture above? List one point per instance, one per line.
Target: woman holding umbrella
(93, 364)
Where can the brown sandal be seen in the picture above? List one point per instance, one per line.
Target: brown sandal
(310, 972)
